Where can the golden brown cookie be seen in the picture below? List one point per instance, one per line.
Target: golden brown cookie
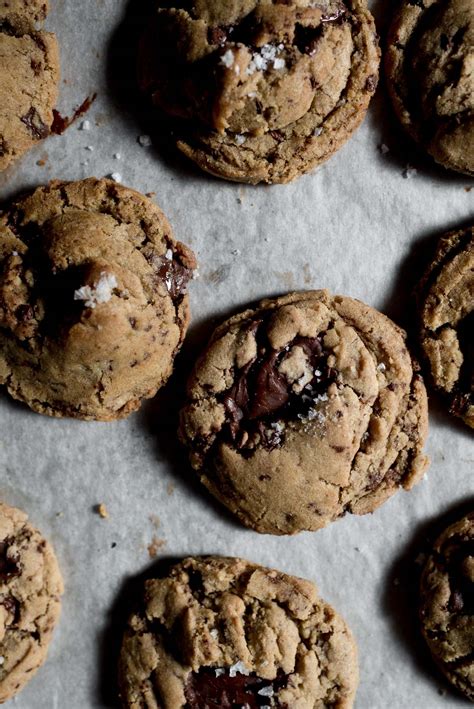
(447, 327)
(30, 591)
(220, 632)
(268, 90)
(93, 305)
(430, 70)
(447, 604)
(303, 409)
(29, 77)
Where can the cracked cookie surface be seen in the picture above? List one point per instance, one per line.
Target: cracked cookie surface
(303, 409)
(446, 297)
(221, 632)
(266, 90)
(30, 591)
(447, 604)
(93, 304)
(430, 70)
(29, 77)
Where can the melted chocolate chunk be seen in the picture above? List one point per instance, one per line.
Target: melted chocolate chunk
(270, 388)
(261, 393)
(175, 275)
(35, 125)
(217, 689)
(9, 563)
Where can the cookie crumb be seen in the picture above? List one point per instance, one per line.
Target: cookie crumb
(101, 510)
(170, 488)
(155, 520)
(59, 514)
(145, 141)
(384, 149)
(467, 189)
(155, 546)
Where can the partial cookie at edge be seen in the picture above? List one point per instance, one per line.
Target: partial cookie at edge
(447, 604)
(446, 305)
(214, 625)
(30, 591)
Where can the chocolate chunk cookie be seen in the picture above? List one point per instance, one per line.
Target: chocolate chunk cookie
(268, 90)
(93, 305)
(29, 77)
(447, 321)
(303, 409)
(219, 632)
(30, 590)
(430, 70)
(447, 604)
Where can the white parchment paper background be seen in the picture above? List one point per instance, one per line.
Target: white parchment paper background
(357, 227)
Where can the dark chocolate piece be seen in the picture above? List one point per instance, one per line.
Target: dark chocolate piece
(35, 124)
(217, 689)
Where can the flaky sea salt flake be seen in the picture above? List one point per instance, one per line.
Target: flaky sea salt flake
(238, 668)
(145, 141)
(100, 292)
(116, 177)
(85, 125)
(266, 691)
(228, 58)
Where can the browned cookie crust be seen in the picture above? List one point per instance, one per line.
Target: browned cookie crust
(304, 409)
(29, 77)
(93, 305)
(268, 90)
(447, 326)
(447, 604)
(30, 590)
(430, 70)
(219, 632)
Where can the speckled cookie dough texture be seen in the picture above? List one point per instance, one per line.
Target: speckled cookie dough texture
(304, 409)
(30, 591)
(93, 305)
(29, 77)
(447, 604)
(447, 321)
(221, 633)
(430, 70)
(267, 90)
